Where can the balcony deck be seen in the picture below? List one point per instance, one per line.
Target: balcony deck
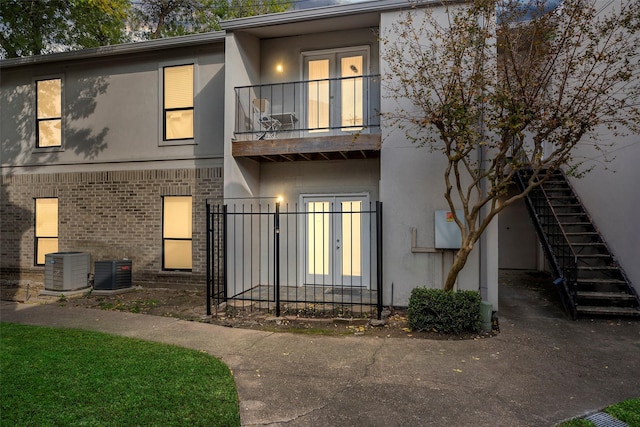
(342, 147)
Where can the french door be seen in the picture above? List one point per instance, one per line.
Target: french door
(335, 90)
(336, 240)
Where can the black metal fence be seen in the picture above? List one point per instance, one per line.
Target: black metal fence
(319, 258)
(304, 108)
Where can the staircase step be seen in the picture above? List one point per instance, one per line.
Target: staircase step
(574, 233)
(601, 256)
(588, 244)
(567, 205)
(608, 311)
(595, 281)
(599, 268)
(578, 227)
(553, 197)
(567, 214)
(618, 296)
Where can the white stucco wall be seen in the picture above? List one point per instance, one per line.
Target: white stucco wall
(290, 180)
(287, 182)
(611, 196)
(287, 51)
(412, 189)
(610, 191)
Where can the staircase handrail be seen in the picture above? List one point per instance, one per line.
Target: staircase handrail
(564, 268)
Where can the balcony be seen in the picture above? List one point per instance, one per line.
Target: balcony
(327, 119)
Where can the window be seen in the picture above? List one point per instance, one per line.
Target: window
(49, 113)
(176, 233)
(178, 102)
(46, 233)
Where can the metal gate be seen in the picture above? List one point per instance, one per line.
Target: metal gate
(322, 257)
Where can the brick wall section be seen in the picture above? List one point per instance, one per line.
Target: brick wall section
(111, 215)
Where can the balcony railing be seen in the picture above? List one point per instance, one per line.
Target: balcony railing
(308, 109)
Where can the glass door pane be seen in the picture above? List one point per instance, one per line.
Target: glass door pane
(318, 240)
(351, 238)
(351, 91)
(318, 96)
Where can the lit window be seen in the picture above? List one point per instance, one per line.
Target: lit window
(49, 113)
(46, 234)
(176, 233)
(178, 102)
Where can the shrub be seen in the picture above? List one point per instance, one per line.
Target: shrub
(446, 312)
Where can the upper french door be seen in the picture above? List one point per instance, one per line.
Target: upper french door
(335, 89)
(336, 240)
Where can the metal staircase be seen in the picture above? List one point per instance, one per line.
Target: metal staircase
(588, 278)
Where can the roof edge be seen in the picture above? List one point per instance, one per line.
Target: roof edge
(117, 49)
(321, 12)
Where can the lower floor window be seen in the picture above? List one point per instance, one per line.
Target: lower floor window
(176, 233)
(46, 230)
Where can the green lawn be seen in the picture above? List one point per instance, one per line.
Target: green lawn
(627, 411)
(71, 377)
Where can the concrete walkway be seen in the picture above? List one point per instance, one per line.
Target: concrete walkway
(540, 369)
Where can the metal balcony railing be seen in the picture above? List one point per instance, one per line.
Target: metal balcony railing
(311, 108)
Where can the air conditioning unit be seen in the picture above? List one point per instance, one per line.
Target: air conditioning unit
(112, 275)
(66, 271)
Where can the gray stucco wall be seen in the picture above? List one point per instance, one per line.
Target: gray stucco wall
(111, 111)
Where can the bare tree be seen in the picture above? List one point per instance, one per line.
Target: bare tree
(163, 18)
(499, 85)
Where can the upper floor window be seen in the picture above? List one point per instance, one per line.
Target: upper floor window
(49, 113)
(46, 233)
(178, 82)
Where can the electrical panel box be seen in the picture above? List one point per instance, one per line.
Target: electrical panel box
(66, 271)
(112, 275)
(448, 234)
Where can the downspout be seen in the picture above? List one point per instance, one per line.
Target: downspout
(482, 247)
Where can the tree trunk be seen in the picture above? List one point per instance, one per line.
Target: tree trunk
(458, 263)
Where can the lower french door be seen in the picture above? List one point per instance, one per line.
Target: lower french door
(336, 240)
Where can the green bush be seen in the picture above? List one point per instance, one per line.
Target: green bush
(446, 312)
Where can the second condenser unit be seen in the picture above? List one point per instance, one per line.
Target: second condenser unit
(112, 275)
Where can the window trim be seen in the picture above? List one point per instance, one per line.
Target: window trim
(164, 239)
(36, 238)
(36, 145)
(162, 111)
